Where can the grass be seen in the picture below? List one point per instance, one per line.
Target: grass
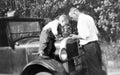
(111, 56)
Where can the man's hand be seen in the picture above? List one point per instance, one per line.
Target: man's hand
(59, 38)
(73, 36)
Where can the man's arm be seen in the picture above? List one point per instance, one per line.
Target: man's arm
(83, 29)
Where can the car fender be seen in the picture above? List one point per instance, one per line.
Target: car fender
(49, 64)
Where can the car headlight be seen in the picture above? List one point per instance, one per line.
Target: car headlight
(63, 55)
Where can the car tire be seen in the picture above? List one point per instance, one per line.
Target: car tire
(43, 73)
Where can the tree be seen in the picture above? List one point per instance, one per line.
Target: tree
(109, 21)
(105, 12)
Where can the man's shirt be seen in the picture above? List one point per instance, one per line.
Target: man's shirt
(86, 29)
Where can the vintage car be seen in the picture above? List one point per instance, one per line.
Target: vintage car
(18, 40)
(64, 60)
(19, 45)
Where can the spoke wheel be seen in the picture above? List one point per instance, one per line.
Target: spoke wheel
(43, 73)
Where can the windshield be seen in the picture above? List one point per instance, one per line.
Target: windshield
(19, 30)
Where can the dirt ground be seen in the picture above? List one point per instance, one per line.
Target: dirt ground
(113, 68)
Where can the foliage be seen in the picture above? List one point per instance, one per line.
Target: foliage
(109, 21)
(105, 12)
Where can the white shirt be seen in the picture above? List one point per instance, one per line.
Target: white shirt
(86, 29)
(53, 25)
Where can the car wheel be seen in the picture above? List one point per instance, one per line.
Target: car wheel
(43, 73)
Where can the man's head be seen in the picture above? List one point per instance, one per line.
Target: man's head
(74, 13)
(63, 20)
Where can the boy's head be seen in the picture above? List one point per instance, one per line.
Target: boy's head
(63, 20)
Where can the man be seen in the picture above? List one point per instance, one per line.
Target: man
(49, 33)
(87, 33)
